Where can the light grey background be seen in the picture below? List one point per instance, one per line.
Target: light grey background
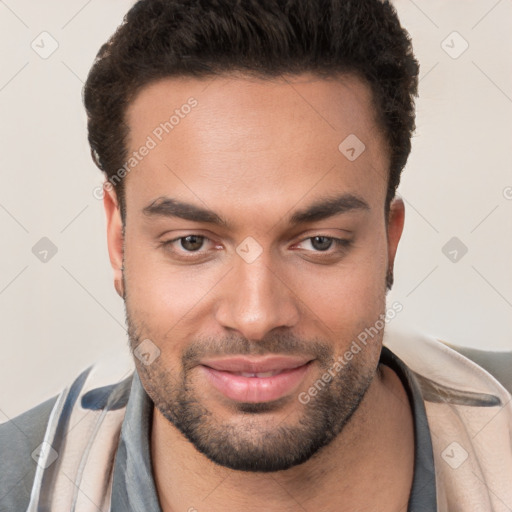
(59, 316)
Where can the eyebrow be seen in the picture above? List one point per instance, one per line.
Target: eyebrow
(328, 207)
(321, 209)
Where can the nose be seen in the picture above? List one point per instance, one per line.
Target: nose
(256, 299)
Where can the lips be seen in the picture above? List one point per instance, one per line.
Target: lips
(255, 380)
(255, 366)
(260, 375)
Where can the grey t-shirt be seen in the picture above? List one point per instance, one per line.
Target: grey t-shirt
(133, 488)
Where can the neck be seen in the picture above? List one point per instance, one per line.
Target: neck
(351, 473)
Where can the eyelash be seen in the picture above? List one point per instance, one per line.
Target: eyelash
(340, 243)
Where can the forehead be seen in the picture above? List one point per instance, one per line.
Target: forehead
(256, 137)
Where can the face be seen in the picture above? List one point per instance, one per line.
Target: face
(251, 233)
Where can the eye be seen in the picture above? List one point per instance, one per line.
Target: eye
(322, 243)
(188, 244)
(192, 242)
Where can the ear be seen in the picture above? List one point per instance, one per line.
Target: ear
(114, 236)
(396, 220)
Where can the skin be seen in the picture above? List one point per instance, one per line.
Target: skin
(255, 152)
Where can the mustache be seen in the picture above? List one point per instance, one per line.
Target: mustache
(284, 343)
(279, 342)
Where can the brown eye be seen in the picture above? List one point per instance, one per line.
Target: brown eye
(324, 245)
(192, 242)
(321, 243)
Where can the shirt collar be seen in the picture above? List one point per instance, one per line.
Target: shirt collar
(423, 490)
(133, 486)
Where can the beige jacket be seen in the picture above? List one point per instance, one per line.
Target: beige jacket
(470, 418)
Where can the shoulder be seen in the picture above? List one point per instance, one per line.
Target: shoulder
(104, 386)
(469, 413)
(19, 437)
(449, 366)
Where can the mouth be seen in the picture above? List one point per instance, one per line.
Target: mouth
(257, 386)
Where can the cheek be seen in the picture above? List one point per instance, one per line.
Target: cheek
(162, 296)
(350, 295)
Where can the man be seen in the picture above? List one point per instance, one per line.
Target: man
(252, 153)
